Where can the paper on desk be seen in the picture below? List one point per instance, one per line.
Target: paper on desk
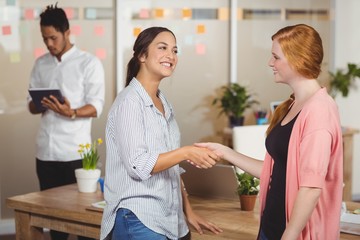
(350, 223)
(100, 204)
(350, 218)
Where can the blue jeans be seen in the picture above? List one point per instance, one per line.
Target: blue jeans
(129, 227)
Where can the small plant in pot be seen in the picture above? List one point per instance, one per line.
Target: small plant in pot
(247, 190)
(87, 177)
(234, 100)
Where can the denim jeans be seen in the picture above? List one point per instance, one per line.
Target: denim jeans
(129, 227)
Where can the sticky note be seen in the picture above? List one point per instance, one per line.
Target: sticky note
(75, 30)
(38, 52)
(6, 30)
(99, 30)
(15, 57)
(29, 14)
(10, 2)
(144, 13)
(200, 29)
(200, 49)
(223, 13)
(90, 13)
(186, 13)
(159, 12)
(136, 31)
(189, 40)
(100, 53)
(69, 12)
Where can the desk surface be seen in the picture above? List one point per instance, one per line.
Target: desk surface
(65, 209)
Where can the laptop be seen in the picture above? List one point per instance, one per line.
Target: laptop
(217, 182)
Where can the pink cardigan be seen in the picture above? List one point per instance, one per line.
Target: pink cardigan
(315, 159)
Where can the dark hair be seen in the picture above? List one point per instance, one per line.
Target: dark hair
(141, 46)
(55, 17)
(302, 47)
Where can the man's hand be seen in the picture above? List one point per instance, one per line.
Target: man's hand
(200, 223)
(53, 104)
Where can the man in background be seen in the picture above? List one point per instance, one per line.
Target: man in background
(80, 78)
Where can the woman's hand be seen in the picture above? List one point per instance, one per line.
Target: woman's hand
(200, 223)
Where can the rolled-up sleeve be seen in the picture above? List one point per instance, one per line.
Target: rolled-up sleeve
(95, 85)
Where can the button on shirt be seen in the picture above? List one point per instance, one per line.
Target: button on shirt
(136, 133)
(80, 78)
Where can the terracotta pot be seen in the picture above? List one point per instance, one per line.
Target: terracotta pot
(247, 202)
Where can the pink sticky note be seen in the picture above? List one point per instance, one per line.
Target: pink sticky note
(100, 53)
(38, 52)
(69, 13)
(144, 13)
(75, 30)
(200, 49)
(6, 30)
(99, 30)
(29, 14)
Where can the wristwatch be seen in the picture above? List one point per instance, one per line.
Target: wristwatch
(73, 116)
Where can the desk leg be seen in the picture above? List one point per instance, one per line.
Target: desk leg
(348, 159)
(24, 230)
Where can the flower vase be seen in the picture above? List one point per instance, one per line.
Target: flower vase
(87, 179)
(247, 202)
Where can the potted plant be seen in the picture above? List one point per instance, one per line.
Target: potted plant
(341, 81)
(234, 100)
(247, 190)
(88, 176)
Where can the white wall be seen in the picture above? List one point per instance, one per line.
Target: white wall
(346, 49)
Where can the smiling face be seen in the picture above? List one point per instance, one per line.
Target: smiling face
(161, 58)
(282, 70)
(56, 42)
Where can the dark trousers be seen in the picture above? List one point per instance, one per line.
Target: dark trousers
(55, 174)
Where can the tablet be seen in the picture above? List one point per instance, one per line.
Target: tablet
(37, 94)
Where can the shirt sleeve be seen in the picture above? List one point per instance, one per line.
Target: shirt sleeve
(315, 151)
(95, 85)
(130, 130)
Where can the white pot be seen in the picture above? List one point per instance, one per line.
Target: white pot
(87, 179)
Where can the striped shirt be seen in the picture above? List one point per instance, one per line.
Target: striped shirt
(136, 133)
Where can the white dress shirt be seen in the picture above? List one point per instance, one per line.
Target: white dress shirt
(136, 133)
(80, 77)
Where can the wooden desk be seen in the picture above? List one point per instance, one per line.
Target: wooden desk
(348, 136)
(65, 209)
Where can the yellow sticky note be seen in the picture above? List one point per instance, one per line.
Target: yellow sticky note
(200, 28)
(223, 13)
(136, 31)
(186, 13)
(159, 12)
(15, 57)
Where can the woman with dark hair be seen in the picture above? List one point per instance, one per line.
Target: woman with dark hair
(143, 190)
(301, 177)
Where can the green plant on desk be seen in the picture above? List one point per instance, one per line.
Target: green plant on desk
(248, 184)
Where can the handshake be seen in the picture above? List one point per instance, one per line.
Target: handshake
(205, 155)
